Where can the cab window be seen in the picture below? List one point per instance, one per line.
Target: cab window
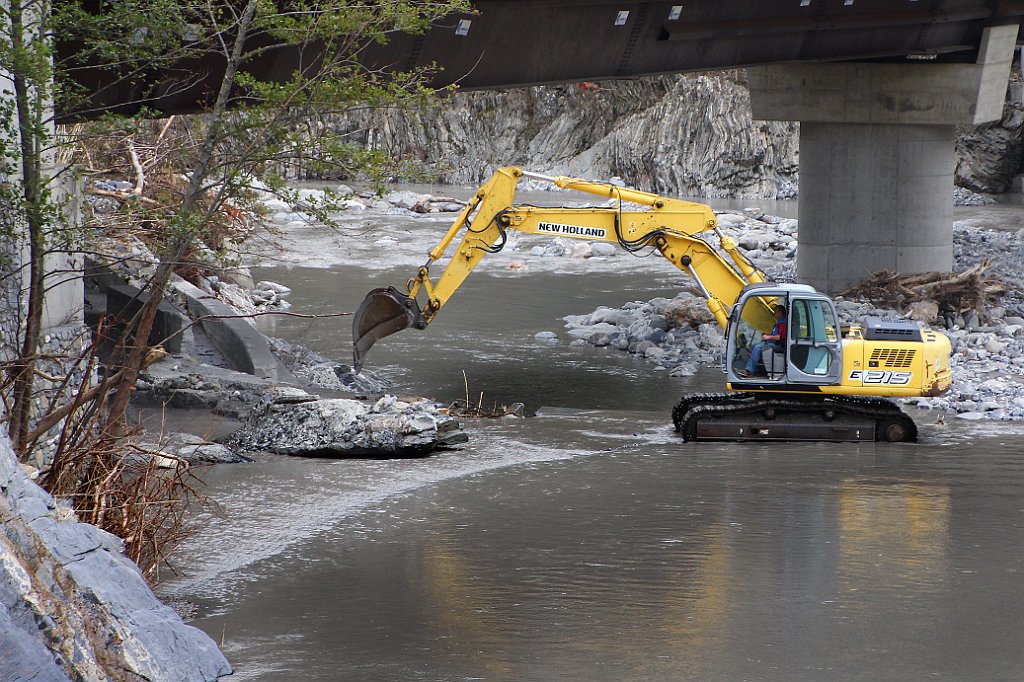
(813, 329)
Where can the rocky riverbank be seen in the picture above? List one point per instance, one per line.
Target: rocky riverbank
(74, 607)
(272, 404)
(679, 335)
(676, 334)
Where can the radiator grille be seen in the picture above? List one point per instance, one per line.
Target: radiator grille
(892, 357)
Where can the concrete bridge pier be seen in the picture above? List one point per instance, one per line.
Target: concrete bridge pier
(877, 155)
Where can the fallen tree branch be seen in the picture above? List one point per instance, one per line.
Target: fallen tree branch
(305, 316)
(53, 418)
(123, 196)
(952, 292)
(140, 175)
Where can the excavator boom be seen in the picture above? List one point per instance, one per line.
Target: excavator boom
(668, 225)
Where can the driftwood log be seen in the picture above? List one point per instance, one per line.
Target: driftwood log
(955, 292)
(441, 204)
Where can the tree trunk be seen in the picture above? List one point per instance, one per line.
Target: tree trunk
(31, 133)
(174, 252)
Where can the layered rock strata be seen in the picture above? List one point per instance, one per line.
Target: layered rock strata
(685, 135)
(682, 135)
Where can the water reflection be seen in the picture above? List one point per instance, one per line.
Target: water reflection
(910, 518)
(656, 561)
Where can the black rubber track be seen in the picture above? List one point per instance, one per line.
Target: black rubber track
(891, 423)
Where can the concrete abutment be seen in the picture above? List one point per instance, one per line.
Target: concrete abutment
(877, 155)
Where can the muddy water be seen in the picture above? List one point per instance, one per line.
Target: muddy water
(588, 542)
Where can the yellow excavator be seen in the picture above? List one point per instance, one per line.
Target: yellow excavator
(820, 381)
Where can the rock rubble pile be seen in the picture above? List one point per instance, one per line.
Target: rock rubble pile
(303, 424)
(278, 415)
(286, 419)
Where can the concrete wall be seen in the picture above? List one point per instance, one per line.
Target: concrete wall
(63, 335)
(245, 348)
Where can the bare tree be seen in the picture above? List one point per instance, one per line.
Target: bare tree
(253, 128)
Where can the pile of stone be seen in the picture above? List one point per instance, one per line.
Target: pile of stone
(259, 298)
(769, 241)
(965, 197)
(126, 256)
(1004, 251)
(297, 423)
(679, 334)
(286, 419)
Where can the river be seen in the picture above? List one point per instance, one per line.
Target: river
(587, 542)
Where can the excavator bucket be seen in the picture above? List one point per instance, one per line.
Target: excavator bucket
(382, 313)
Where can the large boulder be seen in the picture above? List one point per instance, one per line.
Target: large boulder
(340, 427)
(74, 607)
(686, 311)
(926, 311)
(405, 199)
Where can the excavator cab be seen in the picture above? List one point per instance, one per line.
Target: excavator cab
(809, 354)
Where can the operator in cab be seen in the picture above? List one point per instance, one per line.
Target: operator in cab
(775, 339)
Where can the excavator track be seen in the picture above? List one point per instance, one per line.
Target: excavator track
(754, 416)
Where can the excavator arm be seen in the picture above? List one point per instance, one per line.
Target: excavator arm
(671, 226)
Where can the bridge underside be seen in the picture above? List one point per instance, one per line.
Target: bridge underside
(525, 42)
(878, 85)
(517, 42)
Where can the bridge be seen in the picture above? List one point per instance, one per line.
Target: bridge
(877, 85)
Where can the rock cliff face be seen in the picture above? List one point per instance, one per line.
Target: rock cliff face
(686, 135)
(683, 135)
(990, 156)
(72, 607)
